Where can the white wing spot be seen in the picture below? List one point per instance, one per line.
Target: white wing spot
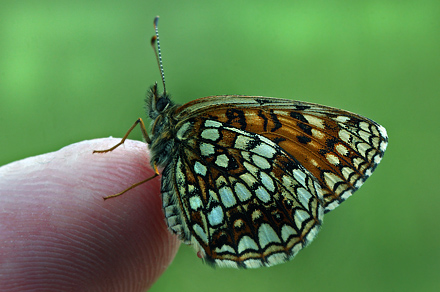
(359, 183)
(224, 263)
(362, 148)
(300, 176)
(250, 168)
(289, 182)
(266, 235)
(286, 232)
(195, 202)
(331, 179)
(227, 197)
(242, 142)
(300, 217)
(215, 216)
(312, 233)
(238, 223)
(357, 161)
(207, 149)
(377, 159)
(256, 215)
(346, 172)
(332, 159)
(267, 181)
(212, 124)
(375, 142)
(332, 205)
(260, 162)
(253, 263)
(222, 160)
(246, 243)
(317, 122)
(342, 119)
(346, 194)
(262, 194)
(181, 133)
(364, 126)
(275, 259)
(382, 131)
(304, 197)
(365, 136)
(225, 248)
(264, 150)
(242, 192)
(248, 179)
(200, 168)
(317, 134)
(180, 177)
(344, 135)
(213, 197)
(341, 149)
(368, 172)
(198, 230)
(211, 134)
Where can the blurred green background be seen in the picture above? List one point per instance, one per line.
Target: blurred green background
(77, 70)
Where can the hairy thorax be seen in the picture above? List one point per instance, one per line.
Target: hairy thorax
(162, 135)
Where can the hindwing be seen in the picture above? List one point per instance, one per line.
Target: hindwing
(238, 197)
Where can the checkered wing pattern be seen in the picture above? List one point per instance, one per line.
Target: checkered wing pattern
(251, 177)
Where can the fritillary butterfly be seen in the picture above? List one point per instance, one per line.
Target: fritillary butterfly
(247, 179)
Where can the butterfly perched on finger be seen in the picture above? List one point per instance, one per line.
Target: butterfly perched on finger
(246, 180)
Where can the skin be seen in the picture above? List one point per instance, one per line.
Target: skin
(58, 234)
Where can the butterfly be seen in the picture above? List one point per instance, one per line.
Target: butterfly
(246, 180)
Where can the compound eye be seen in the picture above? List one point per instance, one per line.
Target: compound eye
(162, 103)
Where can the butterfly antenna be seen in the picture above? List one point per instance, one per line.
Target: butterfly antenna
(155, 39)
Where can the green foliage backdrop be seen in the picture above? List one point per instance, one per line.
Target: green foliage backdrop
(77, 70)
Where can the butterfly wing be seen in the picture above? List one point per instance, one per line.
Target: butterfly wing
(341, 149)
(244, 201)
(252, 176)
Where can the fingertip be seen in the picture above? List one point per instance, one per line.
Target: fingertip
(120, 242)
(153, 247)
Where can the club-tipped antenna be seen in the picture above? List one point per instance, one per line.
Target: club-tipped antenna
(155, 39)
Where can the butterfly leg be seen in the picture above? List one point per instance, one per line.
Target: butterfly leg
(147, 139)
(144, 134)
(156, 173)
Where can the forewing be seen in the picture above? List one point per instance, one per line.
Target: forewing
(339, 148)
(238, 197)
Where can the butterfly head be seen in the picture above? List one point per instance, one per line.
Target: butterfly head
(157, 104)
